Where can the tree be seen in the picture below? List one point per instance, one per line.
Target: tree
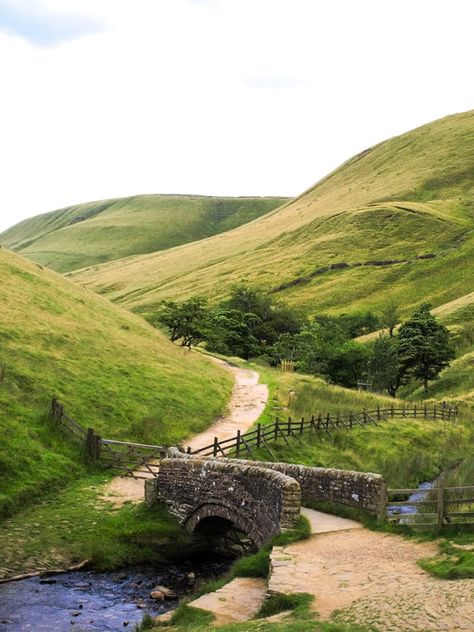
(228, 332)
(390, 316)
(264, 317)
(185, 321)
(384, 365)
(349, 364)
(423, 346)
(358, 323)
(311, 348)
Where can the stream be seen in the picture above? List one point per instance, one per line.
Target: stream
(411, 509)
(86, 600)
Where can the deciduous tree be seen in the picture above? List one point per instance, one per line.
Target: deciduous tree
(423, 346)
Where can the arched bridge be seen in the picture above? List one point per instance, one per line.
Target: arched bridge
(258, 498)
(255, 500)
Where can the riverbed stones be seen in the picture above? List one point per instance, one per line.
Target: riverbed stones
(163, 593)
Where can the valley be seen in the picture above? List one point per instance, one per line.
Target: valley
(81, 300)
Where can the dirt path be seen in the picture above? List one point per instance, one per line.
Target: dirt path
(245, 407)
(363, 577)
(246, 404)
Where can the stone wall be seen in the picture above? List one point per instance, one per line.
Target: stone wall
(361, 490)
(258, 500)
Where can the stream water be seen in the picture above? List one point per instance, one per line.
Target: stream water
(417, 496)
(86, 601)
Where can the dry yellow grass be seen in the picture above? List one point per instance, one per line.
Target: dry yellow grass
(404, 198)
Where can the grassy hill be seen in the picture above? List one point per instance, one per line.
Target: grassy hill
(396, 220)
(111, 369)
(95, 232)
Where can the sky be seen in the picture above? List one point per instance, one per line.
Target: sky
(109, 98)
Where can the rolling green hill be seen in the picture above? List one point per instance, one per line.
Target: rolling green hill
(111, 369)
(95, 232)
(396, 220)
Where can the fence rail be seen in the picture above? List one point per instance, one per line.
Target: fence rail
(137, 460)
(264, 434)
(435, 507)
(429, 508)
(140, 460)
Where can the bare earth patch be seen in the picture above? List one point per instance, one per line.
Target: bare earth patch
(245, 407)
(369, 578)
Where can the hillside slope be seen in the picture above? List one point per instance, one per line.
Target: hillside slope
(111, 369)
(396, 220)
(95, 232)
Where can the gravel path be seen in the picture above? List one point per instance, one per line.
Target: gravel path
(246, 404)
(368, 578)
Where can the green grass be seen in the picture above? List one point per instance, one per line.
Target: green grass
(76, 524)
(404, 451)
(407, 197)
(111, 370)
(456, 559)
(456, 383)
(91, 233)
(300, 618)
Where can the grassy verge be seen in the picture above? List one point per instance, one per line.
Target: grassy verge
(76, 524)
(298, 618)
(456, 559)
(404, 451)
(112, 371)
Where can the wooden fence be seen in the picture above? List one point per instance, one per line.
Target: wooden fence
(264, 435)
(414, 507)
(137, 460)
(436, 507)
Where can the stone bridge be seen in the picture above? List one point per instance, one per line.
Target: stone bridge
(258, 498)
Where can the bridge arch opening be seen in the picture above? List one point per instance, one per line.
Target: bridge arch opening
(223, 529)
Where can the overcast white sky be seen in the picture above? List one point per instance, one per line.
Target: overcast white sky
(105, 98)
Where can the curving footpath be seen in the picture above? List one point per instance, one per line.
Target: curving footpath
(246, 404)
(370, 578)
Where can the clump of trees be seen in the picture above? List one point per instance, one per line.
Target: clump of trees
(420, 351)
(252, 323)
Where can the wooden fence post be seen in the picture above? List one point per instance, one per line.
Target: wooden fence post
(378, 412)
(97, 446)
(259, 435)
(90, 443)
(392, 411)
(414, 411)
(189, 451)
(351, 420)
(382, 508)
(426, 411)
(276, 427)
(434, 413)
(365, 416)
(302, 425)
(237, 447)
(440, 520)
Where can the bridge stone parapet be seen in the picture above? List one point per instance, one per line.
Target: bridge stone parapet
(257, 500)
(362, 490)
